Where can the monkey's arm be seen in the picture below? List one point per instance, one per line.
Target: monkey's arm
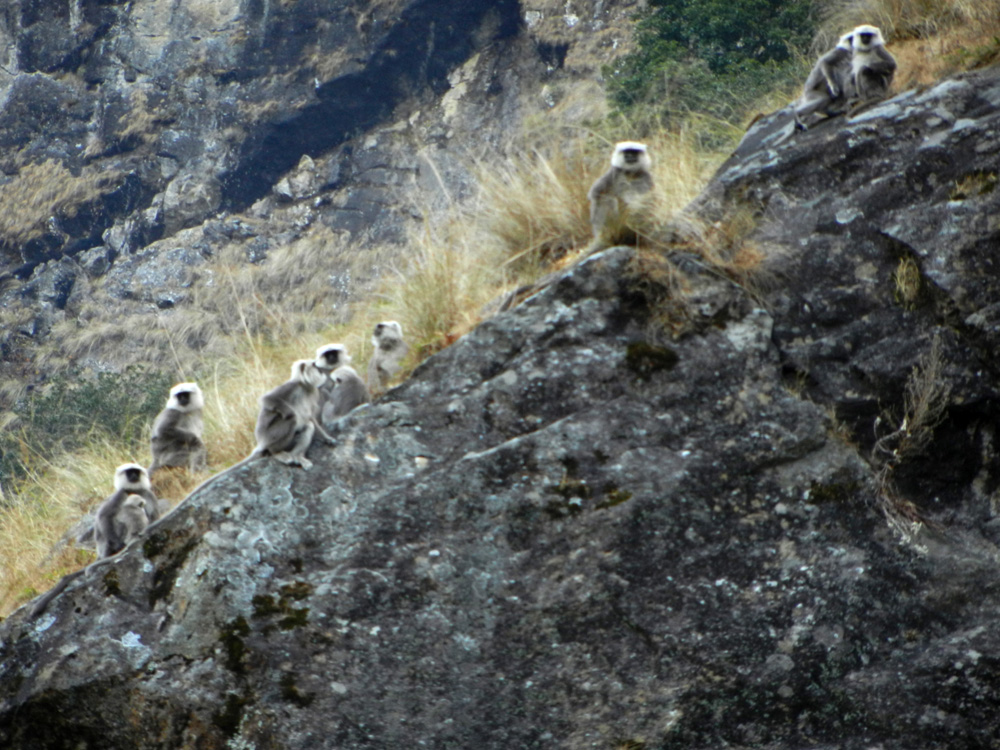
(152, 504)
(323, 433)
(828, 67)
(885, 64)
(166, 427)
(601, 186)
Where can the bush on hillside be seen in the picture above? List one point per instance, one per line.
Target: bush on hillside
(712, 57)
(72, 409)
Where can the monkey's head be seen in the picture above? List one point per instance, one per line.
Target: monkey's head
(135, 501)
(344, 374)
(846, 42)
(131, 477)
(186, 397)
(631, 156)
(305, 371)
(866, 37)
(331, 356)
(385, 332)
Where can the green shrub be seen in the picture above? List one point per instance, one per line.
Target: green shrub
(713, 57)
(72, 410)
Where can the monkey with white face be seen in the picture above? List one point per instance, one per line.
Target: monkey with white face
(628, 178)
(328, 358)
(289, 416)
(389, 352)
(872, 65)
(177, 431)
(110, 527)
(120, 521)
(829, 85)
(349, 392)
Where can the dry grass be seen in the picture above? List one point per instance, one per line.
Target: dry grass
(912, 19)
(907, 281)
(929, 38)
(925, 401)
(44, 190)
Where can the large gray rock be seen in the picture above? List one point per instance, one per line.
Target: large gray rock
(572, 529)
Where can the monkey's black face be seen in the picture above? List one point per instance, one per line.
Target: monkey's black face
(379, 327)
(631, 155)
(866, 37)
(183, 398)
(331, 357)
(132, 475)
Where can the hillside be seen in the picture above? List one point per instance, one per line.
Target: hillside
(644, 508)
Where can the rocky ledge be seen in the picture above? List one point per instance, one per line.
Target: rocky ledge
(581, 527)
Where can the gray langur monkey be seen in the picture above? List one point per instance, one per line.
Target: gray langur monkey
(628, 177)
(121, 519)
(130, 479)
(389, 352)
(872, 65)
(289, 416)
(829, 85)
(328, 358)
(349, 392)
(177, 431)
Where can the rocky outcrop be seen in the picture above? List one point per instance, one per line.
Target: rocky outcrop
(574, 529)
(155, 118)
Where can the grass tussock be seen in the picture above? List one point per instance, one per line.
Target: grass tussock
(929, 38)
(43, 190)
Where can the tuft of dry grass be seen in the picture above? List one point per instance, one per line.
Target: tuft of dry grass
(43, 190)
(907, 281)
(926, 397)
(911, 19)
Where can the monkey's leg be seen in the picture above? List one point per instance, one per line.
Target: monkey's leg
(295, 455)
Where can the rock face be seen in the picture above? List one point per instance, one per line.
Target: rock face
(570, 529)
(125, 124)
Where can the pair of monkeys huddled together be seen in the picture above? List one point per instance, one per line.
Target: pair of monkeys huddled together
(859, 69)
(319, 391)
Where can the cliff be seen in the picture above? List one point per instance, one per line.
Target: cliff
(646, 507)
(139, 141)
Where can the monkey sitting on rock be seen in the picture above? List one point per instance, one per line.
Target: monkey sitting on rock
(119, 521)
(387, 356)
(177, 431)
(872, 65)
(858, 70)
(628, 178)
(828, 86)
(349, 392)
(289, 416)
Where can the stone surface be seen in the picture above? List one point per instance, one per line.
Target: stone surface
(573, 529)
(577, 526)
